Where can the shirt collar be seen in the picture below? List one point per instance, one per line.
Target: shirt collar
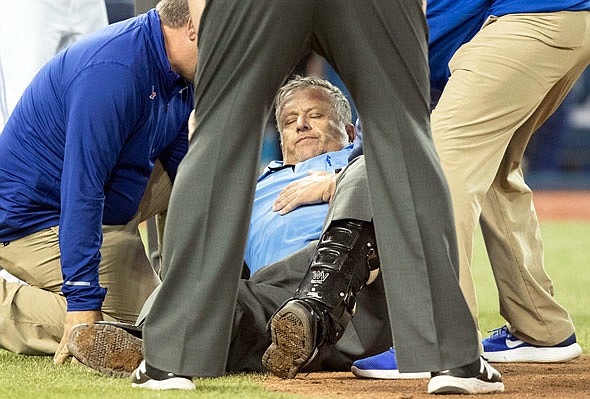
(322, 162)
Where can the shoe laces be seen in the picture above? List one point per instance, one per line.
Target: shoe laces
(499, 332)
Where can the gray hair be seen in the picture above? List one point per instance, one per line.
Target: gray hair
(337, 99)
(173, 13)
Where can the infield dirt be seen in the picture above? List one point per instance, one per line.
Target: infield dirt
(564, 381)
(551, 381)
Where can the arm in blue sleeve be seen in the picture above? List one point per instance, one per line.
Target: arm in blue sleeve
(100, 111)
(173, 154)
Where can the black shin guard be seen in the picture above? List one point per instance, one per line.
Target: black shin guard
(345, 261)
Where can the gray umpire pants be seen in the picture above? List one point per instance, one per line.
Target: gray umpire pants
(246, 49)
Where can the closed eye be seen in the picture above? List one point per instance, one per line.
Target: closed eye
(289, 121)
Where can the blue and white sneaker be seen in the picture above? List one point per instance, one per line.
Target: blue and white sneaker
(383, 366)
(502, 346)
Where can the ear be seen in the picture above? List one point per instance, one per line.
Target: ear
(191, 31)
(350, 132)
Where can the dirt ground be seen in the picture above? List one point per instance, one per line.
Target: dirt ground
(565, 380)
(562, 205)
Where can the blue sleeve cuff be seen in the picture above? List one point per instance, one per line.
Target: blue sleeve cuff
(81, 298)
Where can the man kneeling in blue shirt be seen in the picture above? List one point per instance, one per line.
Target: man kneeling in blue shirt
(75, 159)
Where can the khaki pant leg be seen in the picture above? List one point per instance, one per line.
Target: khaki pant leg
(509, 222)
(157, 194)
(31, 319)
(513, 240)
(468, 160)
(125, 269)
(31, 316)
(496, 87)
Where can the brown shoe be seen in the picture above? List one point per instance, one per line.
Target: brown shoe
(106, 348)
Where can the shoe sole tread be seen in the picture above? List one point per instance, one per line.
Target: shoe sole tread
(292, 341)
(105, 348)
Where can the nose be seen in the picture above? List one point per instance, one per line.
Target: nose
(303, 123)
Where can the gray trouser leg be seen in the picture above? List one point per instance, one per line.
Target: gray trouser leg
(388, 80)
(246, 49)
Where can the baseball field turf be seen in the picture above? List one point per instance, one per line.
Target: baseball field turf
(567, 258)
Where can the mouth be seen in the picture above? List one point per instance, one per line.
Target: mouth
(301, 139)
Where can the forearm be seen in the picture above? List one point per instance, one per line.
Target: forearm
(80, 239)
(316, 188)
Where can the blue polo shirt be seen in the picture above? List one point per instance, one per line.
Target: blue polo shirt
(80, 146)
(272, 237)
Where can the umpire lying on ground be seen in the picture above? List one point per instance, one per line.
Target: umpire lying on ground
(315, 125)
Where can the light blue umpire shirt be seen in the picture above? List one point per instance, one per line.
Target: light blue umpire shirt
(272, 237)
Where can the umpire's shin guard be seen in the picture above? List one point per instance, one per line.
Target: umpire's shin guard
(344, 262)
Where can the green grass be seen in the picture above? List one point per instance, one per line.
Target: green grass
(35, 377)
(567, 258)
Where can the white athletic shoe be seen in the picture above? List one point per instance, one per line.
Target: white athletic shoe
(475, 378)
(140, 379)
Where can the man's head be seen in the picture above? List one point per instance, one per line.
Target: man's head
(180, 36)
(313, 117)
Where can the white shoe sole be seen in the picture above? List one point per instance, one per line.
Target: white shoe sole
(168, 384)
(444, 384)
(536, 354)
(387, 374)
